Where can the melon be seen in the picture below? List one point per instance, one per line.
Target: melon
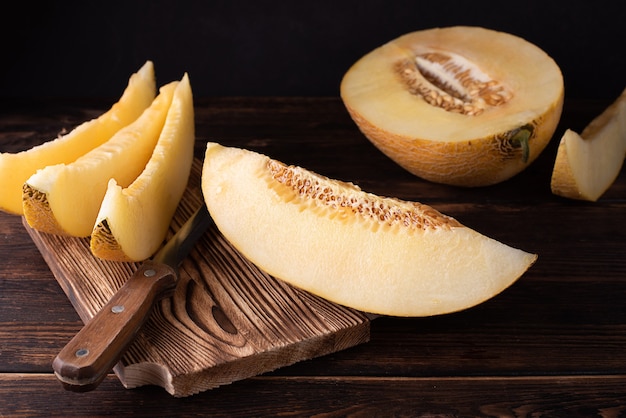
(376, 254)
(461, 105)
(64, 199)
(586, 165)
(16, 168)
(133, 221)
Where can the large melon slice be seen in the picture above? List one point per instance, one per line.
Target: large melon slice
(64, 199)
(16, 168)
(461, 105)
(375, 254)
(586, 165)
(133, 222)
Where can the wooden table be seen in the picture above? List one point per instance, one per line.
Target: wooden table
(554, 343)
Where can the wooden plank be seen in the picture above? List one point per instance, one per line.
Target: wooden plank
(227, 320)
(535, 327)
(523, 396)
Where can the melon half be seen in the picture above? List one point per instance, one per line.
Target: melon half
(375, 254)
(16, 168)
(465, 106)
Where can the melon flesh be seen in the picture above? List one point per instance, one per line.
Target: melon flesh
(586, 165)
(16, 168)
(64, 199)
(133, 221)
(375, 254)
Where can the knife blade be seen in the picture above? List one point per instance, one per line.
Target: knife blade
(85, 361)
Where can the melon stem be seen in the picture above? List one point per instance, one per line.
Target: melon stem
(522, 137)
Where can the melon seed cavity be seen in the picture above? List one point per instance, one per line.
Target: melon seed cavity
(451, 82)
(346, 197)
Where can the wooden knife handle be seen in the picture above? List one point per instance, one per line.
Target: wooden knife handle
(84, 362)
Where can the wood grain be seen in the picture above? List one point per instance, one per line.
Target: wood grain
(307, 396)
(227, 320)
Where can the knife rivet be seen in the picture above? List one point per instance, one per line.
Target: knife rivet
(82, 352)
(117, 309)
(149, 273)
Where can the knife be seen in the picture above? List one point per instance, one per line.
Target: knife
(85, 361)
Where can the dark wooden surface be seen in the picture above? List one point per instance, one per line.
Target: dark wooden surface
(554, 344)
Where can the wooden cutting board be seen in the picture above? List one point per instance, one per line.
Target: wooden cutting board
(227, 320)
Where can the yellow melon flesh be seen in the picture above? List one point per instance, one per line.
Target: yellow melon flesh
(375, 254)
(461, 105)
(16, 168)
(64, 199)
(586, 165)
(133, 221)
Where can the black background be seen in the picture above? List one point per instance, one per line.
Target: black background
(279, 48)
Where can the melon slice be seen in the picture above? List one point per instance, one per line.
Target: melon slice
(16, 168)
(461, 105)
(375, 254)
(586, 165)
(133, 222)
(64, 199)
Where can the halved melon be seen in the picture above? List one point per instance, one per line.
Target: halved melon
(586, 165)
(16, 168)
(64, 199)
(461, 105)
(372, 253)
(133, 222)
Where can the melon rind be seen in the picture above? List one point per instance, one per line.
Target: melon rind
(349, 259)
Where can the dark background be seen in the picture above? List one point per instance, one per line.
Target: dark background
(279, 48)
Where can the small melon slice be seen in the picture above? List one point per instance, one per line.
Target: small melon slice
(376, 254)
(133, 222)
(16, 168)
(586, 165)
(465, 106)
(64, 199)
